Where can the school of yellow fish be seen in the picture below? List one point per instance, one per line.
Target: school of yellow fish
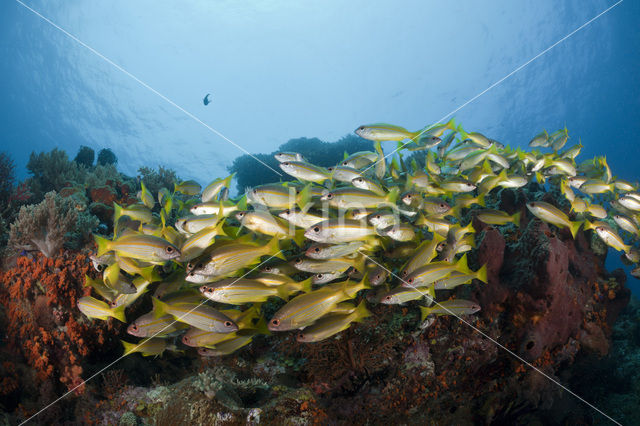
(371, 229)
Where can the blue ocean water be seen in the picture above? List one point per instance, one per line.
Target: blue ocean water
(277, 71)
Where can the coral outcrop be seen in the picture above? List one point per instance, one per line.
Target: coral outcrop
(44, 329)
(46, 226)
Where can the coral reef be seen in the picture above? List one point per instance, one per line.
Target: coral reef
(45, 331)
(85, 156)
(322, 154)
(7, 180)
(548, 299)
(106, 157)
(52, 171)
(154, 180)
(46, 226)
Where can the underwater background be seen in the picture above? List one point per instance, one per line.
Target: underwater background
(279, 72)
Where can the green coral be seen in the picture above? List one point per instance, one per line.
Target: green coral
(155, 180)
(52, 171)
(106, 157)
(85, 156)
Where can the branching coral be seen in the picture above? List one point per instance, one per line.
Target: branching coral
(44, 226)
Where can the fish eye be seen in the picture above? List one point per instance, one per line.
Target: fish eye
(287, 212)
(228, 323)
(255, 191)
(317, 250)
(100, 268)
(319, 276)
(330, 168)
(275, 322)
(410, 280)
(169, 249)
(298, 261)
(329, 196)
(442, 205)
(134, 327)
(377, 216)
(344, 163)
(387, 298)
(268, 269)
(301, 336)
(361, 128)
(316, 229)
(286, 163)
(192, 274)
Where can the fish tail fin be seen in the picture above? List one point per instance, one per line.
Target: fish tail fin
(261, 326)
(242, 203)
(480, 200)
(298, 237)
(284, 291)
(111, 274)
(481, 274)
(455, 212)
(129, 348)
(574, 227)
(88, 281)
(463, 134)
(516, 218)
(118, 313)
(150, 274)
(350, 290)
(227, 180)
(273, 248)
(305, 285)
(431, 293)
(359, 263)
(220, 229)
(451, 124)
(159, 307)
(462, 265)
(361, 312)
(117, 211)
(424, 312)
(163, 220)
(392, 196)
(304, 197)
(103, 244)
